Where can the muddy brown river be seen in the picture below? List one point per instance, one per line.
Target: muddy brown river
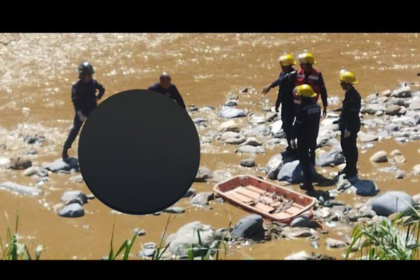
(36, 75)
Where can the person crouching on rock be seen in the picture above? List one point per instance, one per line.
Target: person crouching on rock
(305, 130)
(349, 122)
(168, 89)
(85, 98)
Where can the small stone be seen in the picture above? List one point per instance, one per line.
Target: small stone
(90, 196)
(190, 193)
(396, 153)
(334, 243)
(174, 210)
(248, 163)
(400, 159)
(400, 174)
(379, 157)
(139, 232)
(74, 210)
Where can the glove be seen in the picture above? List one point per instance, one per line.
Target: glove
(277, 109)
(293, 144)
(347, 133)
(336, 122)
(81, 116)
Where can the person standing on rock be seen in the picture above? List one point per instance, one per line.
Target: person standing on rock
(305, 130)
(349, 122)
(285, 97)
(168, 89)
(310, 76)
(85, 95)
(286, 62)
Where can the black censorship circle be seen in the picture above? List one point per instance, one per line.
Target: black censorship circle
(139, 152)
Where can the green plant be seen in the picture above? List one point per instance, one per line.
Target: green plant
(389, 240)
(126, 247)
(13, 250)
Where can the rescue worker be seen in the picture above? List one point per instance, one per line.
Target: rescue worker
(285, 98)
(85, 94)
(349, 122)
(166, 88)
(305, 130)
(310, 76)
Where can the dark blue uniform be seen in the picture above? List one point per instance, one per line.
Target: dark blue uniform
(350, 121)
(172, 92)
(285, 98)
(83, 96)
(306, 130)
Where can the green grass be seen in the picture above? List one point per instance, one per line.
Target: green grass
(398, 239)
(13, 250)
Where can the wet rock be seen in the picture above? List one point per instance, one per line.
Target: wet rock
(300, 256)
(199, 121)
(4, 161)
(276, 129)
(304, 222)
(414, 105)
(174, 210)
(331, 158)
(386, 93)
(379, 157)
(20, 163)
(399, 159)
(354, 215)
(235, 141)
(392, 202)
(367, 213)
(186, 237)
(400, 174)
(229, 135)
(401, 139)
(274, 141)
(250, 227)
(231, 103)
(230, 125)
(32, 139)
(90, 196)
(403, 92)
(203, 174)
(248, 163)
(76, 179)
(292, 172)
(416, 170)
(30, 171)
(146, 252)
(416, 198)
(16, 188)
(273, 166)
(230, 113)
(190, 193)
(366, 138)
(202, 199)
(257, 119)
(252, 141)
(74, 210)
(391, 127)
(293, 233)
(396, 153)
(70, 195)
(334, 243)
(232, 96)
(324, 213)
(366, 188)
(74, 200)
(372, 109)
(250, 150)
(59, 164)
(244, 90)
(259, 130)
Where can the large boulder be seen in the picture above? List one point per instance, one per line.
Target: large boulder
(333, 158)
(273, 166)
(250, 227)
(230, 113)
(292, 173)
(194, 234)
(392, 202)
(59, 164)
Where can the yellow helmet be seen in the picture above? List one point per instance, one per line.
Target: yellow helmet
(287, 60)
(305, 91)
(347, 77)
(306, 57)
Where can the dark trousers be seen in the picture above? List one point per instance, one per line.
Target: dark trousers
(306, 151)
(287, 117)
(74, 131)
(350, 151)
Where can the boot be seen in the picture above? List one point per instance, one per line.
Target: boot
(65, 155)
